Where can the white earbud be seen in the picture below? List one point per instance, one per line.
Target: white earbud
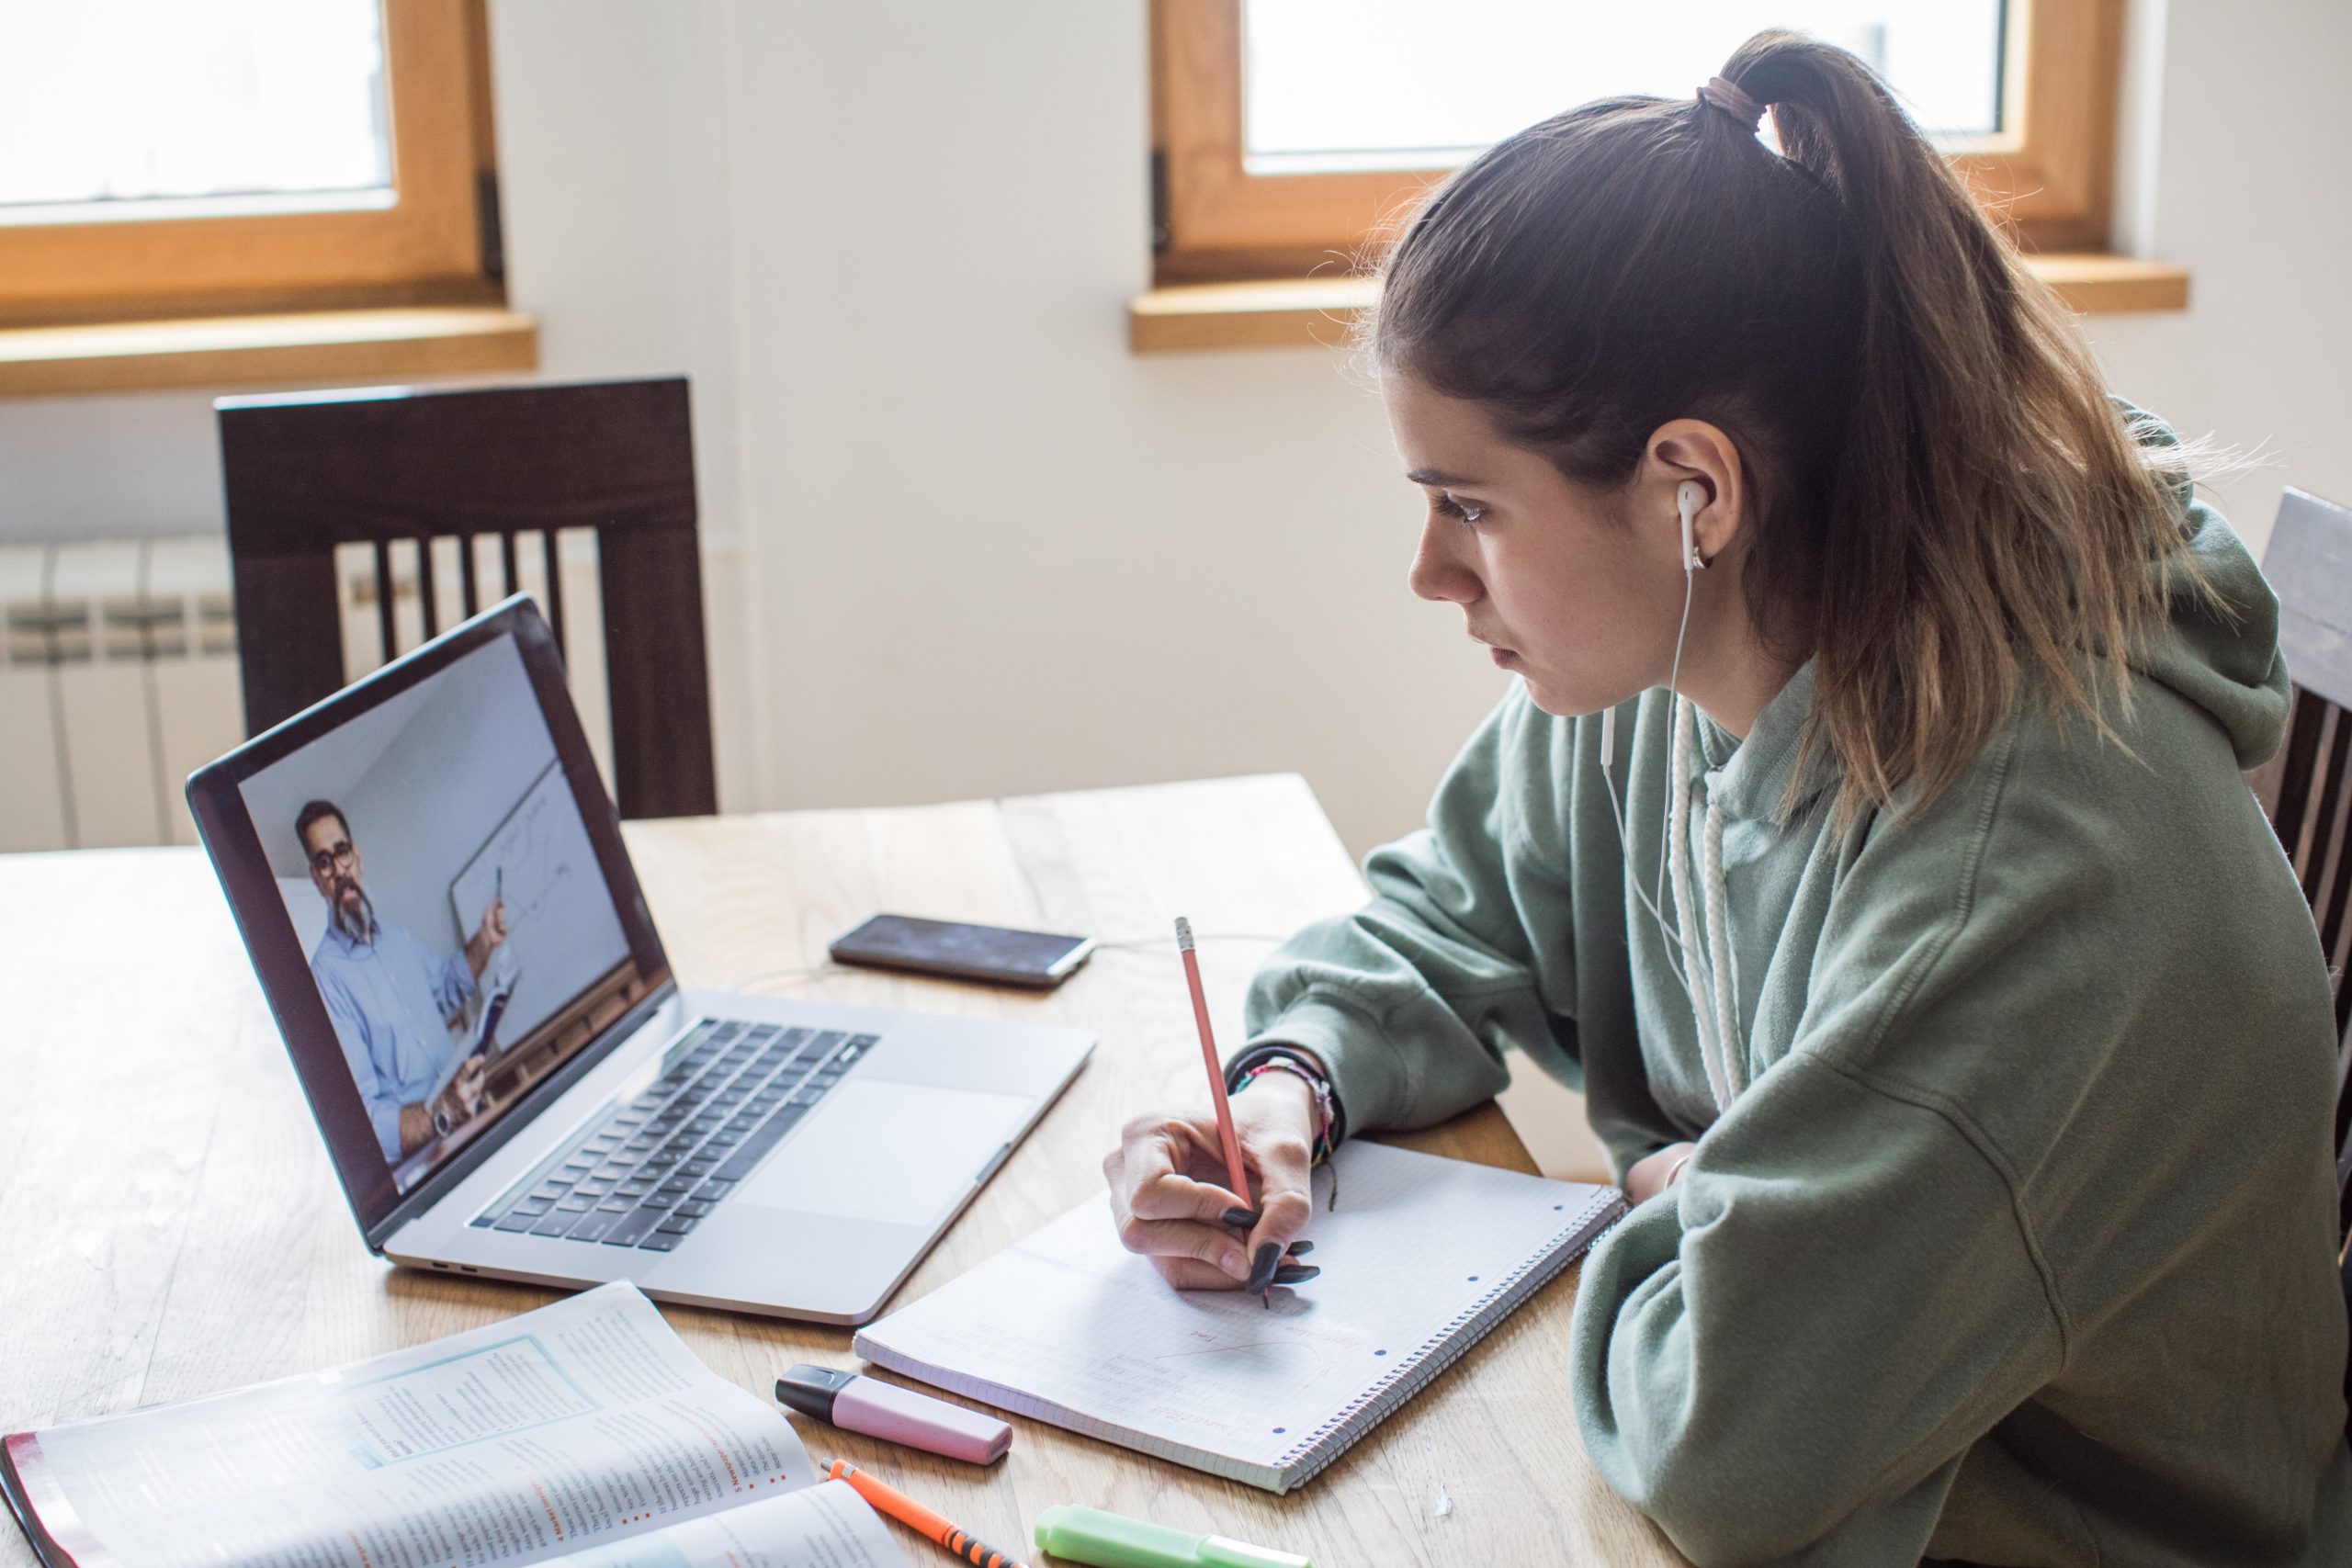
(1689, 497)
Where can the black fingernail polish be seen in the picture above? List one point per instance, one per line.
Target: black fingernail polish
(1240, 1217)
(1295, 1273)
(1262, 1266)
(1300, 1249)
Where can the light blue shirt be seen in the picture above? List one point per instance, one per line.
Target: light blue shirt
(392, 1001)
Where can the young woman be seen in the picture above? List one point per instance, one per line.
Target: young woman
(1971, 1076)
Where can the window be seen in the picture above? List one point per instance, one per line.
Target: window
(166, 158)
(1288, 131)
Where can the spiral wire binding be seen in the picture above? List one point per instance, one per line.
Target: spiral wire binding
(1445, 1347)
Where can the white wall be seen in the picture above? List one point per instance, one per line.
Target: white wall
(2235, 147)
(986, 549)
(962, 542)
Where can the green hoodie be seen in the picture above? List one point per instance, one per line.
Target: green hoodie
(2017, 1247)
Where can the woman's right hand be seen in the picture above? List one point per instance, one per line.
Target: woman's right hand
(1170, 1196)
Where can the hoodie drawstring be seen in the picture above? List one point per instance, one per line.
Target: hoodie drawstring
(1716, 1012)
(1717, 898)
(1678, 854)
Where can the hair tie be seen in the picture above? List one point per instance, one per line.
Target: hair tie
(1730, 98)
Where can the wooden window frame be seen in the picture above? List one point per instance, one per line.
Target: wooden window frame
(2049, 174)
(434, 245)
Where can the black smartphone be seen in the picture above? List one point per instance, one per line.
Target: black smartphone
(999, 954)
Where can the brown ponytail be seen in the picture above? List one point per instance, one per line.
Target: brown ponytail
(1946, 497)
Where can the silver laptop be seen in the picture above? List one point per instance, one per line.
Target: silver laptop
(430, 878)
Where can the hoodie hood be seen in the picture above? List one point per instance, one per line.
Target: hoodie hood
(2219, 647)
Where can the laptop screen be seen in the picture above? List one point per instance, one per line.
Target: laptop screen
(450, 907)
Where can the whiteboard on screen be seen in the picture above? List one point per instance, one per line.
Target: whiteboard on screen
(561, 932)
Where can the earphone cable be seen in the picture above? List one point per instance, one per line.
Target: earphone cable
(1654, 901)
(1617, 811)
(1673, 700)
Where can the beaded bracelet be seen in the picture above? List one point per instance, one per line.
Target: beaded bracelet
(1317, 1083)
(1326, 1110)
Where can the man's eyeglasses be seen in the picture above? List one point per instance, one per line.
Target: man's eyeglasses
(326, 860)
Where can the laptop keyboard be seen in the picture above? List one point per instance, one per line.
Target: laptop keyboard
(652, 1167)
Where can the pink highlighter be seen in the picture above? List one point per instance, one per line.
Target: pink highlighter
(896, 1415)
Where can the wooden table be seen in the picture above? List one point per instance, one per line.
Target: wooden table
(173, 1227)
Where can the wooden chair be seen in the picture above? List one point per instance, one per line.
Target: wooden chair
(307, 473)
(2309, 563)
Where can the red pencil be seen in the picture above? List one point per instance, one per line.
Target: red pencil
(1240, 1176)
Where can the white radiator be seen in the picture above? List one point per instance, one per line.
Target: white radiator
(118, 677)
(119, 673)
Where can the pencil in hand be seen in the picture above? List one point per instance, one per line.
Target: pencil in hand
(1273, 1266)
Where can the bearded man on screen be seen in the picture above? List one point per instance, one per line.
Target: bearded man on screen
(393, 1002)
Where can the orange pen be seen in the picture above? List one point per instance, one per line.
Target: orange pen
(915, 1517)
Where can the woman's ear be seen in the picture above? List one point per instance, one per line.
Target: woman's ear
(1690, 450)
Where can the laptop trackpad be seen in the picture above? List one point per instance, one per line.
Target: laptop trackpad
(892, 1152)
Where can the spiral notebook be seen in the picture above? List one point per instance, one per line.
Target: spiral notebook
(1421, 1257)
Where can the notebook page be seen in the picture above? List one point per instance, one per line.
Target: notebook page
(1070, 1326)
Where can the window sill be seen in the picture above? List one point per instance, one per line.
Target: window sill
(251, 351)
(1296, 311)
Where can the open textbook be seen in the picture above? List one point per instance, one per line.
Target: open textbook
(583, 1433)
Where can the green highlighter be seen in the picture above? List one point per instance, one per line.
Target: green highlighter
(1115, 1541)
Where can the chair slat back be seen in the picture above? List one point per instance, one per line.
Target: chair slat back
(2309, 563)
(306, 473)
